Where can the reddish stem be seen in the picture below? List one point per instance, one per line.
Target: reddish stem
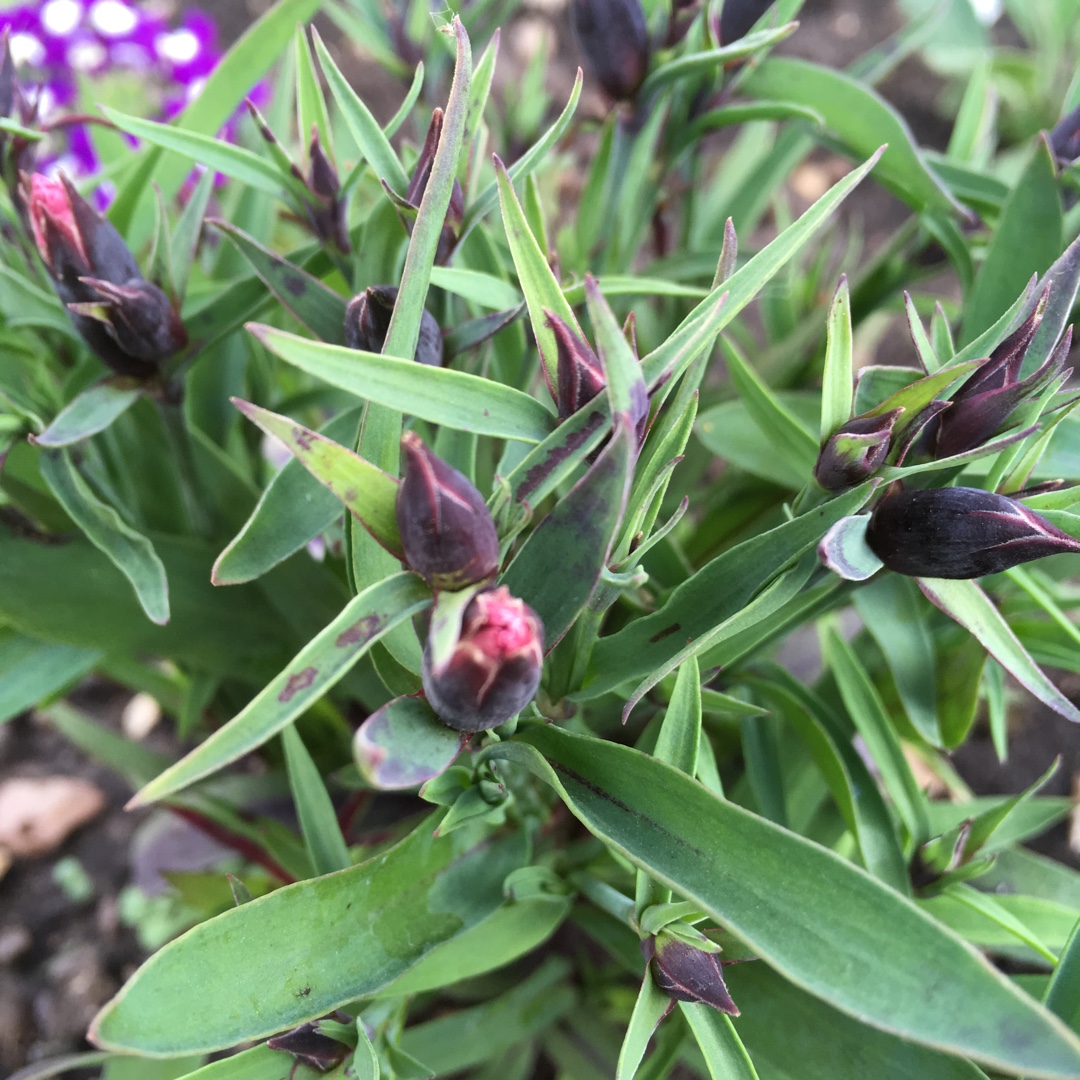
(238, 843)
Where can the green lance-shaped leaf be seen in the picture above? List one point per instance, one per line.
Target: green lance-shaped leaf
(837, 387)
(1026, 241)
(451, 398)
(31, 670)
(822, 923)
(788, 1033)
(365, 491)
(557, 568)
(651, 1007)
(965, 602)
(293, 509)
(1063, 281)
(318, 822)
(719, 1043)
(234, 161)
(719, 590)
(861, 118)
(538, 283)
(92, 411)
(318, 307)
(309, 948)
(127, 549)
(362, 125)
(315, 669)
(1063, 994)
(404, 744)
(24, 304)
(622, 370)
(698, 330)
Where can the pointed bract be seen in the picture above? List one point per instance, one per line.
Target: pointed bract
(688, 974)
(579, 376)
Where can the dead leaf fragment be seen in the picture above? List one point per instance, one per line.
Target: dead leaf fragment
(37, 813)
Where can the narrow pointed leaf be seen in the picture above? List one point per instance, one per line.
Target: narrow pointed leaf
(538, 283)
(319, 308)
(31, 670)
(625, 386)
(557, 568)
(318, 822)
(364, 128)
(365, 491)
(452, 398)
(965, 602)
(130, 551)
(825, 925)
(92, 411)
(330, 940)
(719, 1043)
(652, 1003)
(714, 594)
(314, 670)
(837, 388)
(294, 508)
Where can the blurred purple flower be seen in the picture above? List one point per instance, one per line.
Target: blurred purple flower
(58, 43)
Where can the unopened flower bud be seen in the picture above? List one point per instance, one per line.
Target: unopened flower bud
(326, 208)
(494, 669)
(128, 321)
(686, 973)
(994, 391)
(1065, 138)
(959, 533)
(455, 211)
(447, 532)
(308, 1046)
(615, 43)
(855, 451)
(737, 18)
(578, 372)
(367, 321)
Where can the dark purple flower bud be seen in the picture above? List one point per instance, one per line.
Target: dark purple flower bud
(959, 533)
(494, 670)
(615, 43)
(128, 321)
(737, 18)
(994, 391)
(578, 372)
(686, 973)
(855, 451)
(310, 1047)
(1065, 138)
(455, 212)
(367, 321)
(447, 532)
(326, 208)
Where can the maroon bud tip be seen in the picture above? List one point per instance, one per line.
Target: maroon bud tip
(447, 532)
(367, 322)
(614, 40)
(960, 533)
(686, 973)
(494, 669)
(579, 376)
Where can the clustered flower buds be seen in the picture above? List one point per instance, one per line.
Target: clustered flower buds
(367, 322)
(615, 42)
(448, 537)
(994, 391)
(128, 321)
(687, 973)
(960, 533)
(494, 670)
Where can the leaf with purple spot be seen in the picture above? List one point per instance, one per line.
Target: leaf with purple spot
(404, 744)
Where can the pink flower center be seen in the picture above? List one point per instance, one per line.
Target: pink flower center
(504, 625)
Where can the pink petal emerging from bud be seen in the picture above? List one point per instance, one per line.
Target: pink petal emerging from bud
(52, 221)
(494, 670)
(447, 532)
